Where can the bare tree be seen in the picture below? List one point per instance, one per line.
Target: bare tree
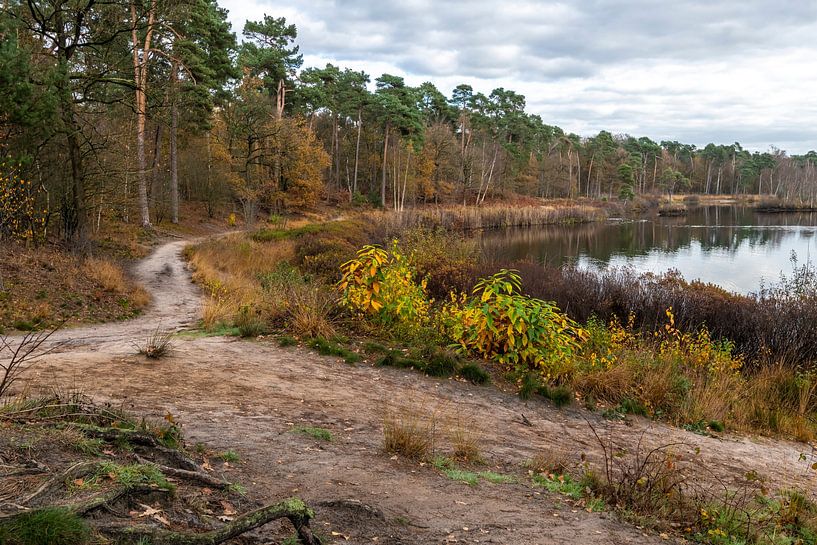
(16, 357)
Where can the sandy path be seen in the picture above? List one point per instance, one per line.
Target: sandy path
(176, 304)
(246, 395)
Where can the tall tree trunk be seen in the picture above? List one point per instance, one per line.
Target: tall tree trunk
(155, 183)
(280, 99)
(74, 218)
(357, 150)
(174, 128)
(405, 181)
(383, 179)
(708, 178)
(140, 73)
(336, 151)
(718, 183)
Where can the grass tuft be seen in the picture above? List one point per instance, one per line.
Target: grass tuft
(287, 340)
(409, 432)
(328, 348)
(133, 475)
(49, 526)
(230, 456)
(157, 345)
(321, 434)
(474, 373)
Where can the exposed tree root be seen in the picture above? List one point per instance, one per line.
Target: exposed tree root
(105, 499)
(138, 437)
(76, 471)
(198, 475)
(111, 435)
(293, 509)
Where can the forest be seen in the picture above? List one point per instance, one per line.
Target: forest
(118, 111)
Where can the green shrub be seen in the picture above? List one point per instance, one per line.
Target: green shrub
(716, 426)
(439, 362)
(630, 405)
(558, 395)
(249, 322)
(325, 347)
(49, 526)
(474, 373)
(287, 340)
(395, 358)
(381, 286)
(528, 386)
(375, 348)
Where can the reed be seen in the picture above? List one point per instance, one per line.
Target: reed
(469, 218)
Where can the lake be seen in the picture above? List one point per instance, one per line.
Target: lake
(731, 246)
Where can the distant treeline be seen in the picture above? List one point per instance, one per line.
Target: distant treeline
(120, 111)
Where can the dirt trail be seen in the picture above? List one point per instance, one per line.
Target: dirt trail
(247, 396)
(176, 304)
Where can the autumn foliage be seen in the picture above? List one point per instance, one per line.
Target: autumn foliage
(21, 216)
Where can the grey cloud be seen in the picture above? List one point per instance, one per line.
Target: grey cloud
(561, 56)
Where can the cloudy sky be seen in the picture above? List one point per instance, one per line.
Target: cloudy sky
(695, 71)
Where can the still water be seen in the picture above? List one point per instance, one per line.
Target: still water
(730, 246)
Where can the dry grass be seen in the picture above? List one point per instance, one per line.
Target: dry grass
(310, 309)
(609, 384)
(465, 437)
(712, 399)
(111, 278)
(487, 217)
(779, 402)
(229, 269)
(550, 462)
(107, 274)
(157, 345)
(46, 286)
(139, 297)
(410, 431)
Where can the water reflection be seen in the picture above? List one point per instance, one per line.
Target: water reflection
(727, 245)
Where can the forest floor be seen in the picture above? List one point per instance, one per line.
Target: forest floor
(253, 397)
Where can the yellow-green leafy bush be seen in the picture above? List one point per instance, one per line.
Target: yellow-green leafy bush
(500, 323)
(381, 286)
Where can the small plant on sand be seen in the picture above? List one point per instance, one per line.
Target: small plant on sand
(326, 347)
(230, 456)
(410, 432)
(561, 483)
(249, 322)
(134, 475)
(321, 434)
(157, 345)
(465, 437)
